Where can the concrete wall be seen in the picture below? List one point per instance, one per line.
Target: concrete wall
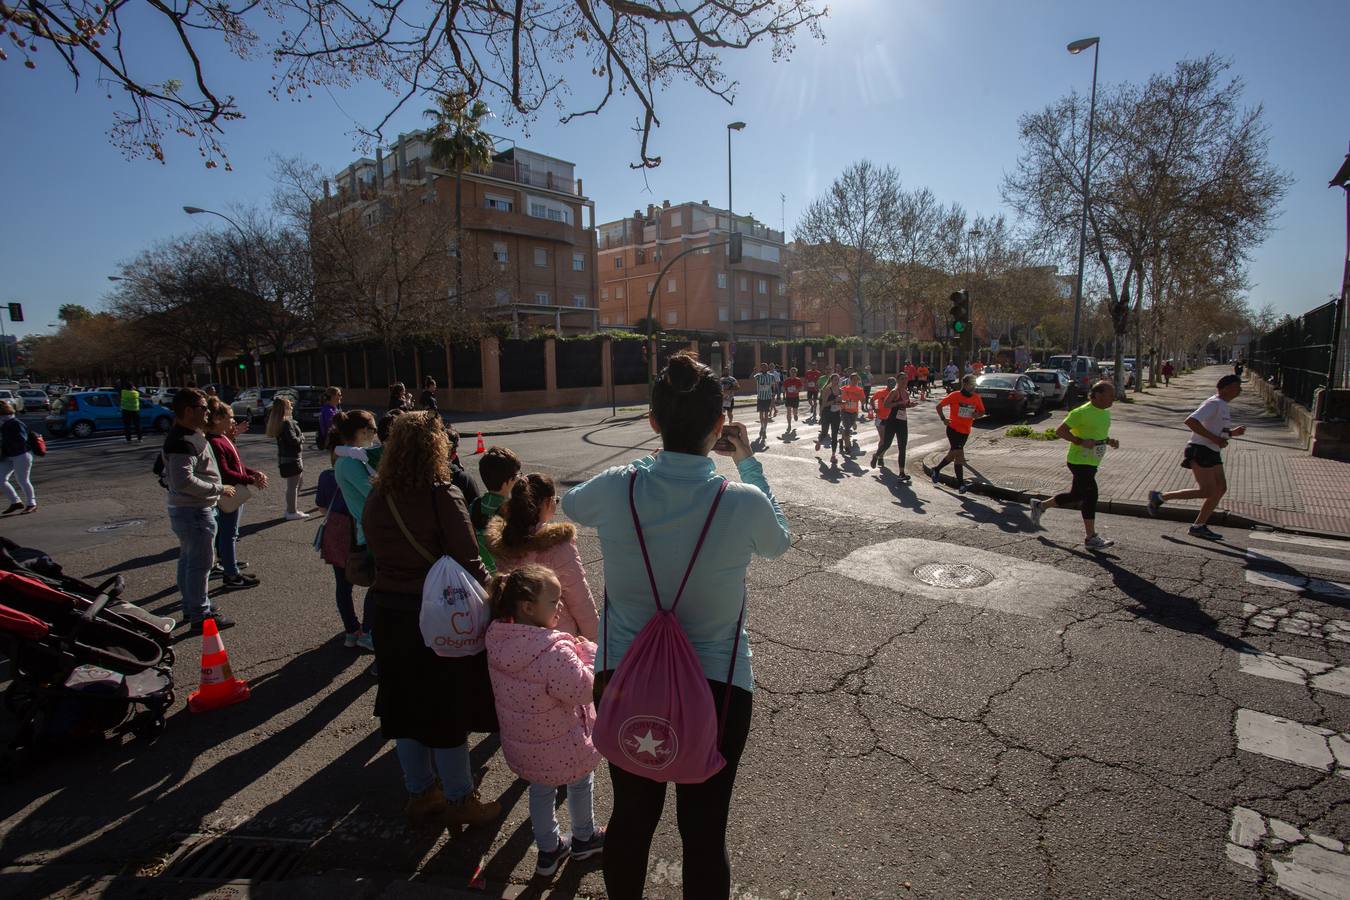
(1326, 439)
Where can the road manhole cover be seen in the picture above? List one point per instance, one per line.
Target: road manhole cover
(113, 526)
(953, 575)
(230, 856)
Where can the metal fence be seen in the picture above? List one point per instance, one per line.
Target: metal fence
(1297, 357)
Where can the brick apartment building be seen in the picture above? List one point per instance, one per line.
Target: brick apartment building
(524, 211)
(696, 294)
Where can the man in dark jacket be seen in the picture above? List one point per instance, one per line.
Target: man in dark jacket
(194, 484)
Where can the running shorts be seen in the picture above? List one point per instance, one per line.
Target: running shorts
(955, 439)
(849, 421)
(1198, 455)
(728, 402)
(793, 402)
(763, 404)
(812, 391)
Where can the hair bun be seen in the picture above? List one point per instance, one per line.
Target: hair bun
(684, 371)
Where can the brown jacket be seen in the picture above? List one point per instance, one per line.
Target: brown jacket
(438, 519)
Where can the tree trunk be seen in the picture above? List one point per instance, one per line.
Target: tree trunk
(459, 236)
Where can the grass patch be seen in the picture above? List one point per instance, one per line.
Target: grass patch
(632, 409)
(1035, 434)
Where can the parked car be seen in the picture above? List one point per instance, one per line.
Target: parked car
(84, 413)
(56, 390)
(1109, 374)
(1087, 372)
(306, 404)
(252, 403)
(1053, 384)
(35, 400)
(11, 396)
(1009, 394)
(227, 393)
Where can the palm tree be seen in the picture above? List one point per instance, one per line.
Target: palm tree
(458, 142)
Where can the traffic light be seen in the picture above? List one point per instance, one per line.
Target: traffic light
(243, 366)
(735, 247)
(16, 312)
(959, 316)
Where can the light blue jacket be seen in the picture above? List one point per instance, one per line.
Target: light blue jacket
(673, 495)
(353, 478)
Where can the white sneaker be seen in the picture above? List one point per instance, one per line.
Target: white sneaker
(1097, 542)
(1037, 508)
(296, 516)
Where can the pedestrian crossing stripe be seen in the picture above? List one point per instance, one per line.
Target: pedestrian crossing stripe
(1302, 541)
(1300, 861)
(1267, 559)
(1283, 581)
(1288, 741)
(1322, 676)
(1303, 624)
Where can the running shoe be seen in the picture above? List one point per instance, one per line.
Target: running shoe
(588, 848)
(240, 580)
(817, 446)
(296, 516)
(1155, 502)
(366, 642)
(875, 459)
(350, 638)
(833, 459)
(963, 487)
(13, 508)
(1097, 542)
(937, 479)
(1037, 508)
(905, 479)
(1203, 531)
(548, 863)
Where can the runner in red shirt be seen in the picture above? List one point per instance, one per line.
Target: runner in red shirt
(792, 389)
(964, 407)
(854, 397)
(812, 378)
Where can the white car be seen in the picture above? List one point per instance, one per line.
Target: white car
(34, 400)
(1053, 383)
(12, 398)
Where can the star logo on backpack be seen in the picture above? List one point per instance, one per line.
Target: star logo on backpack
(649, 742)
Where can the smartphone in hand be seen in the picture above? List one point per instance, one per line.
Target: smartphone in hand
(724, 444)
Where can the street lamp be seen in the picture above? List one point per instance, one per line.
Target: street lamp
(252, 284)
(1075, 48)
(731, 225)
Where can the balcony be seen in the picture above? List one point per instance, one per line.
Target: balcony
(515, 172)
(482, 219)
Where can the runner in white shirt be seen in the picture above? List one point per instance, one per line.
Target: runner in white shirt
(1211, 427)
(764, 399)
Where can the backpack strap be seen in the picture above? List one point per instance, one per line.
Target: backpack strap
(722, 489)
(731, 670)
(398, 519)
(642, 543)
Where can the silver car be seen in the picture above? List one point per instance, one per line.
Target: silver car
(1052, 383)
(12, 398)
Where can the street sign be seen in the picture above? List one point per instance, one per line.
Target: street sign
(993, 344)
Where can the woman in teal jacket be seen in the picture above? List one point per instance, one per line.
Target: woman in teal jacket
(673, 492)
(353, 433)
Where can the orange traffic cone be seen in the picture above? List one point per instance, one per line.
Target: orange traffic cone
(218, 687)
(480, 448)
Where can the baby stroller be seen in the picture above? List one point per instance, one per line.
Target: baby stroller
(38, 566)
(78, 672)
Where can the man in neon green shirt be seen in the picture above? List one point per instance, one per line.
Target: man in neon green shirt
(1087, 430)
(129, 400)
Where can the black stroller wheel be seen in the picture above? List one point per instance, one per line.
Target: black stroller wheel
(149, 727)
(169, 657)
(169, 699)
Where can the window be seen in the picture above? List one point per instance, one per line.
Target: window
(722, 314)
(671, 317)
(676, 219)
(651, 286)
(578, 262)
(454, 248)
(98, 400)
(745, 314)
(503, 296)
(618, 292)
(499, 203)
(541, 257)
(763, 286)
(782, 289)
(618, 320)
(604, 320)
(604, 293)
(542, 208)
(499, 252)
(722, 280)
(704, 251)
(541, 297)
(763, 314)
(579, 300)
(618, 262)
(641, 256)
(670, 285)
(745, 283)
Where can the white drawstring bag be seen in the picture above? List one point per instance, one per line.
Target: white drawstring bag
(455, 613)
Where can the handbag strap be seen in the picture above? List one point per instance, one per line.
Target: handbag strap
(642, 542)
(398, 519)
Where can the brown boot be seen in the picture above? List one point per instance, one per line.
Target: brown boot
(424, 807)
(471, 811)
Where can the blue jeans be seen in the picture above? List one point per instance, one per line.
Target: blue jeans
(579, 808)
(195, 527)
(452, 763)
(227, 539)
(347, 605)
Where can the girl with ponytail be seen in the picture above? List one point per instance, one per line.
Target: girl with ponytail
(523, 534)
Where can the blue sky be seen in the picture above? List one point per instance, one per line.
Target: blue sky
(933, 88)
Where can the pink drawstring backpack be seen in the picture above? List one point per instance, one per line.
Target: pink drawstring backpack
(657, 718)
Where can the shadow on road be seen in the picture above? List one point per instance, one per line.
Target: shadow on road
(903, 493)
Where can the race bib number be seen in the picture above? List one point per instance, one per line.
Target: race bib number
(966, 410)
(1100, 450)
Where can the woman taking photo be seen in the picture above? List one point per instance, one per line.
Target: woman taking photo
(425, 702)
(672, 494)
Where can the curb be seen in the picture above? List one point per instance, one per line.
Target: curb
(1223, 518)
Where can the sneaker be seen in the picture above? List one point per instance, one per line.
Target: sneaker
(296, 516)
(905, 479)
(1203, 531)
(1097, 542)
(937, 479)
(817, 450)
(548, 863)
(217, 569)
(875, 459)
(963, 487)
(15, 507)
(350, 638)
(1037, 509)
(422, 808)
(471, 810)
(1155, 502)
(241, 580)
(588, 848)
(222, 622)
(366, 642)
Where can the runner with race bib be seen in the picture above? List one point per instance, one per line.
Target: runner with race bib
(1086, 429)
(964, 407)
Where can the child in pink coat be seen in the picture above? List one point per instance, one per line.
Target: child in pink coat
(542, 682)
(522, 533)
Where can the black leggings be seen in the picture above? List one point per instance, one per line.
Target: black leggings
(700, 809)
(829, 427)
(1084, 490)
(894, 430)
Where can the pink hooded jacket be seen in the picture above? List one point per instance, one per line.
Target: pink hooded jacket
(555, 547)
(542, 682)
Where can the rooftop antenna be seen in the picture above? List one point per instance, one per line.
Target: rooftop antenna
(782, 214)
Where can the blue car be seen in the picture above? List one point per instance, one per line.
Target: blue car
(85, 413)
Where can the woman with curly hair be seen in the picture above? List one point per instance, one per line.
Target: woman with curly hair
(427, 704)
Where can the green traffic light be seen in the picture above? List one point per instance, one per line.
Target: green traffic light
(242, 366)
(958, 327)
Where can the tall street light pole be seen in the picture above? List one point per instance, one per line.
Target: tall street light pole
(731, 227)
(1075, 48)
(252, 283)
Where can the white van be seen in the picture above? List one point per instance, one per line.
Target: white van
(1088, 369)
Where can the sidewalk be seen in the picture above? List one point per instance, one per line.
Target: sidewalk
(1272, 480)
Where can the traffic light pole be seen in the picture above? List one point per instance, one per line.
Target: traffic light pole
(4, 347)
(732, 243)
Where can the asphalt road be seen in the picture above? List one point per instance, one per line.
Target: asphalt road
(1153, 720)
